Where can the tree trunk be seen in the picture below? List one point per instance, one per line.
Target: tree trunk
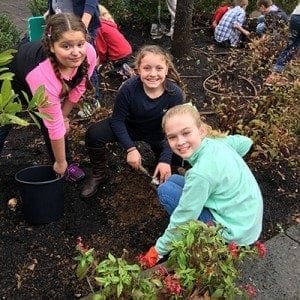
(181, 44)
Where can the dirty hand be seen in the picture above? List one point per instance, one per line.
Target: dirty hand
(134, 158)
(149, 259)
(60, 167)
(162, 171)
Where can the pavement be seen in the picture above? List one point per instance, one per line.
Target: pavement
(277, 276)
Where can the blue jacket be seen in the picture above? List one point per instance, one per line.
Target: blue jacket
(80, 7)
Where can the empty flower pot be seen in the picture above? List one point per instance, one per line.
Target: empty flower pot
(42, 194)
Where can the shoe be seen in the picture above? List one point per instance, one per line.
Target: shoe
(126, 71)
(86, 111)
(74, 173)
(276, 79)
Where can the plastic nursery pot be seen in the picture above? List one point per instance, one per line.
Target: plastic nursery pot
(42, 194)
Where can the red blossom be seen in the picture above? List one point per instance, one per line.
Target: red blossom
(161, 271)
(233, 249)
(261, 248)
(81, 246)
(250, 290)
(173, 284)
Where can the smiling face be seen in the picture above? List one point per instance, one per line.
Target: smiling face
(70, 49)
(153, 70)
(183, 134)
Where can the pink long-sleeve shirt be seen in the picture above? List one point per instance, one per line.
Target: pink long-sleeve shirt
(43, 74)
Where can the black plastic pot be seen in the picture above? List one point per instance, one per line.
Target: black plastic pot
(42, 194)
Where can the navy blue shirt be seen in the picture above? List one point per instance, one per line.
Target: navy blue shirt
(135, 112)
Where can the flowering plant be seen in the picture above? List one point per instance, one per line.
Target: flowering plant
(200, 265)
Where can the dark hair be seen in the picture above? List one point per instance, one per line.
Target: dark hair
(265, 3)
(56, 26)
(173, 75)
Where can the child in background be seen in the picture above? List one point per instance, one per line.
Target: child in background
(219, 188)
(139, 107)
(111, 45)
(271, 19)
(220, 11)
(288, 52)
(230, 27)
(63, 63)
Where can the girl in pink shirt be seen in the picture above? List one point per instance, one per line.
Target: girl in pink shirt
(63, 63)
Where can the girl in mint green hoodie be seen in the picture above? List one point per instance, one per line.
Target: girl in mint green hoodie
(219, 187)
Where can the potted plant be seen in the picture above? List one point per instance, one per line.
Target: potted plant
(200, 265)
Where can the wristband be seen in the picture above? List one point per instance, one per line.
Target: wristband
(131, 149)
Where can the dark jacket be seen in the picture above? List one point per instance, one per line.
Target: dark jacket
(80, 7)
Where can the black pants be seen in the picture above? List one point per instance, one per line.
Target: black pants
(101, 133)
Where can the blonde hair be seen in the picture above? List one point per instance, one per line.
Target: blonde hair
(105, 14)
(190, 109)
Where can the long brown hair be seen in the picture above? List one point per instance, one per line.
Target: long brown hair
(56, 26)
(173, 75)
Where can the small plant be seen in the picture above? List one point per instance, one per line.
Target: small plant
(9, 34)
(200, 263)
(10, 105)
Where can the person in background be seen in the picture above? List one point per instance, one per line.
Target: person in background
(288, 52)
(214, 190)
(171, 4)
(111, 45)
(88, 11)
(63, 63)
(139, 107)
(271, 19)
(220, 11)
(228, 31)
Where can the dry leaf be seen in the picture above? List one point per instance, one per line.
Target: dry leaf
(12, 204)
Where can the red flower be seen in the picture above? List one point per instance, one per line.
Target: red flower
(233, 249)
(261, 248)
(173, 285)
(81, 245)
(250, 290)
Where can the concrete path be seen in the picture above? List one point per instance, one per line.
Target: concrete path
(277, 277)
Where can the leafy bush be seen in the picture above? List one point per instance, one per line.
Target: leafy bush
(200, 263)
(9, 102)
(37, 7)
(9, 34)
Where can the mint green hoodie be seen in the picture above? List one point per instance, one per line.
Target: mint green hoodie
(221, 181)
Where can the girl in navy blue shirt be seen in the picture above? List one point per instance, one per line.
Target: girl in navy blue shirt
(140, 105)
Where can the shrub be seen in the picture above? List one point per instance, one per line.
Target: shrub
(200, 263)
(9, 34)
(37, 7)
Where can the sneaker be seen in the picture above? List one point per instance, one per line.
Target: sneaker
(86, 111)
(74, 173)
(126, 71)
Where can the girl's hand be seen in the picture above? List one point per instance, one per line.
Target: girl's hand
(162, 171)
(60, 167)
(134, 158)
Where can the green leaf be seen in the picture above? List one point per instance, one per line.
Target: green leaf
(119, 289)
(16, 120)
(218, 293)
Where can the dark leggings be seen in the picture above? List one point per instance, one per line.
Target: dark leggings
(101, 133)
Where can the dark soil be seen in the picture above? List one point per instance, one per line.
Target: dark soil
(37, 261)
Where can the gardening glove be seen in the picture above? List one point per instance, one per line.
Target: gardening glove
(149, 259)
